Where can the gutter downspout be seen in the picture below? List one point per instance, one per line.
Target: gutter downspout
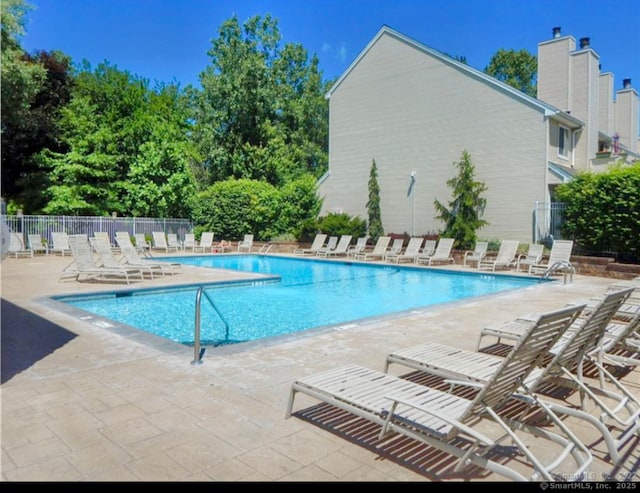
(546, 195)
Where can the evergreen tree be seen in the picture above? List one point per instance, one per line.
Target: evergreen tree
(373, 205)
(463, 217)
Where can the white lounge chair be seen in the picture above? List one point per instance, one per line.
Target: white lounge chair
(379, 249)
(125, 236)
(505, 259)
(107, 259)
(173, 242)
(441, 255)
(332, 242)
(160, 242)
(37, 245)
(84, 266)
(532, 257)
(104, 236)
(477, 254)
(60, 243)
(566, 357)
(206, 242)
(397, 245)
(449, 422)
(632, 306)
(131, 258)
(16, 246)
(559, 259)
(618, 408)
(409, 254)
(246, 244)
(340, 249)
(316, 246)
(359, 247)
(428, 248)
(142, 244)
(189, 242)
(620, 346)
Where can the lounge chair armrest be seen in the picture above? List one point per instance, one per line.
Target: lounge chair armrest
(437, 414)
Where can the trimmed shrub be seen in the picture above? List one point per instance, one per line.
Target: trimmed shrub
(335, 224)
(602, 212)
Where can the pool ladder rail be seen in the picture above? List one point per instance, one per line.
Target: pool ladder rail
(560, 266)
(197, 352)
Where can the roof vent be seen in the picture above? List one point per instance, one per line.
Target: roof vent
(556, 32)
(584, 43)
(626, 83)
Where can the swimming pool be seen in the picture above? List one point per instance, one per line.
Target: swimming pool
(296, 294)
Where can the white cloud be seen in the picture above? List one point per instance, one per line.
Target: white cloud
(342, 52)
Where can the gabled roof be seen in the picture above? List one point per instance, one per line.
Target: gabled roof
(547, 109)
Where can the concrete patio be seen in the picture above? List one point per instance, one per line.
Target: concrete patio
(81, 402)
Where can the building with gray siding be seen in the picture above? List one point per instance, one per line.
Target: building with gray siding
(414, 110)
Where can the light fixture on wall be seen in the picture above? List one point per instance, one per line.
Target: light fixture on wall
(411, 192)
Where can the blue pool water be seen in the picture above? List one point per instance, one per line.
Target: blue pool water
(310, 293)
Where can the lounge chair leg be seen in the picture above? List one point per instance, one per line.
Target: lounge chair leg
(292, 396)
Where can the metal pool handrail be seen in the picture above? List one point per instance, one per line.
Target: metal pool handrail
(560, 266)
(197, 354)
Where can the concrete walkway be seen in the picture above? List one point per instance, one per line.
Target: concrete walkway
(81, 402)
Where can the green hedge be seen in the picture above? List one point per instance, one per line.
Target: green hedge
(603, 211)
(233, 208)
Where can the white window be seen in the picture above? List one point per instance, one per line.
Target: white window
(563, 142)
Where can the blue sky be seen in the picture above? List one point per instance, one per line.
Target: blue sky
(167, 40)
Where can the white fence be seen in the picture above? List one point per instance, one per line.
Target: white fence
(548, 219)
(44, 225)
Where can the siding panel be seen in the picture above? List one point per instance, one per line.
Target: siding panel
(410, 111)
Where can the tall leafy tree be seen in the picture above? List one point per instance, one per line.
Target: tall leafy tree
(463, 216)
(261, 113)
(36, 129)
(127, 147)
(517, 68)
(22, 78)
(373, 205)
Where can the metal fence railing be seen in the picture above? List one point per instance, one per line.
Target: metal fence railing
(548, 219)
(44, 225)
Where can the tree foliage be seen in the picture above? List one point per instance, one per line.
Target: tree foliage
(603, 211)
(233, 208)
(462, 218)
(33, 129)
(25, 84)
(374, 213)
(127, 149)
(22, 78)
(261, 113)
(516, 68)
(338, 224)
